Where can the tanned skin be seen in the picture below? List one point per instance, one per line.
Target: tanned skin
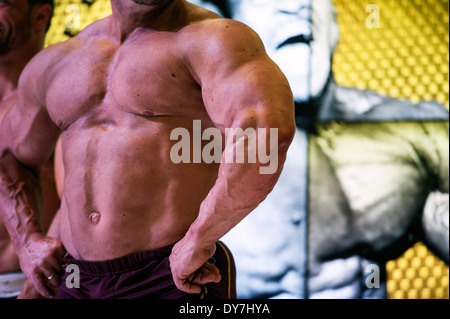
(22, 34)
(115, 92)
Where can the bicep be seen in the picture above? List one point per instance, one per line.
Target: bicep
(254, 94)
(239, 81)
(30, 133)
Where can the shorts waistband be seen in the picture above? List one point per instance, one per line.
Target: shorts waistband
(11, 284)
(118, 265)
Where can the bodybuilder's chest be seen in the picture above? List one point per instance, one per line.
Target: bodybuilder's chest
(139, 78)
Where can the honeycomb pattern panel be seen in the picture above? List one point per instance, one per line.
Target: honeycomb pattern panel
(406, 57)
(418, 274)
(72, 16)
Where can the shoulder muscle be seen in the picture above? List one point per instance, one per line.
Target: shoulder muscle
(219, 46)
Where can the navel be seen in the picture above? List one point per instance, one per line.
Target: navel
(94, 218)
(148, 113)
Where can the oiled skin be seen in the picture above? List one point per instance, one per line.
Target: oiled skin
(117, 91)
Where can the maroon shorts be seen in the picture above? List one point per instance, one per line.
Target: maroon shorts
(144, 275)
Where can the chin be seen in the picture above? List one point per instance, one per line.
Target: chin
(149, 2)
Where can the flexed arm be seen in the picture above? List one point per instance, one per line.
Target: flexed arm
(242, 90)
(28, 138)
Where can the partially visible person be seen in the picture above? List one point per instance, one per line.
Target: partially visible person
(375, 170)
(132, 211)
(23, 26)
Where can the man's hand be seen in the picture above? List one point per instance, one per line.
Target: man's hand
(40, 256)
(40, 259)
(190, 267)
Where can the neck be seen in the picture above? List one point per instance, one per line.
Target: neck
(127, 16)
(9, 77)
(12, 65)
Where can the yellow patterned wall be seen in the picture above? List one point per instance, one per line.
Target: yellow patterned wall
(407, 57)
(89, 11)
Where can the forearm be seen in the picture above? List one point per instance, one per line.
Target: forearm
(239, 189)
(20, 201)
(20, 197)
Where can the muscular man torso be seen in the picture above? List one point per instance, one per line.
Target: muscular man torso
(122, 192)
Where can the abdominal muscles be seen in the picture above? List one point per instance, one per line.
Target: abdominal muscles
(123, 194)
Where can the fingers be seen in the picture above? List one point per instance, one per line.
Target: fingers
(43, 265)
(43, 286)
(53, 279)
(190, 269)
(189, 288)
(207, 274)
(46, 280)
(51, 267)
